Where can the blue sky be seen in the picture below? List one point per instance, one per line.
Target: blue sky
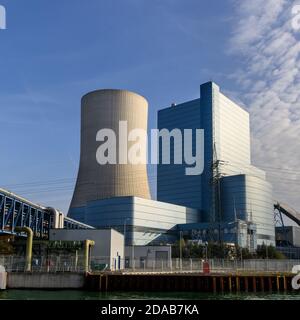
(53, 52)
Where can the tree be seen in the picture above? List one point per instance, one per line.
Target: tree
(6, 246)
(243, 253)
(216, 250)
(268, 252)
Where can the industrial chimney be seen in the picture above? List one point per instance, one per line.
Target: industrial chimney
(104, 109)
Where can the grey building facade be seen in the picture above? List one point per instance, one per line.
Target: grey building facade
(288, 236)
(143, 221)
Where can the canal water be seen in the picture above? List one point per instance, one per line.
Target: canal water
(84, 295)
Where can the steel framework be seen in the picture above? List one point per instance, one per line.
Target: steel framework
(16, 212)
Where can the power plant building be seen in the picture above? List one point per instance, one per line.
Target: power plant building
(104, 109)
(230, 187)
(230, 191)
(143, 221)
(117, 195)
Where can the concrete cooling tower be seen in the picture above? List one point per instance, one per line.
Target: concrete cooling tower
(104, 109)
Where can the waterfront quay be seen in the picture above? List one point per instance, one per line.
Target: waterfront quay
(215, 276)
(154, 281)
(190, 282)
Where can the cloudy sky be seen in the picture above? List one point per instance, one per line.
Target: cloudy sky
(53, 52)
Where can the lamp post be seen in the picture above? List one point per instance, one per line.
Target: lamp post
(125, 240)
(132, 251)
(180, 249)
(206, 245)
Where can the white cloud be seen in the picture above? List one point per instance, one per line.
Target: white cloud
(270, 81)
(255, 19)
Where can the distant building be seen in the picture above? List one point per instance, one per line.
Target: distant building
(239, 233)
(288, 236)
(288, 241)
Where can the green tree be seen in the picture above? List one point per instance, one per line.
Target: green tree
(269, 252)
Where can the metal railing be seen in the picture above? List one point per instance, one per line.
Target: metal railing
(213, 265)
(75, 263)
(55, 263)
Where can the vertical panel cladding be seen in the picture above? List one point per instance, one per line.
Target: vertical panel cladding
(173, 185)
(249, 198)
(208, 100)
(296, 236)
(260, 204)
(234, 141)
(104, 109)
(116, 211)
(233, 198)
(144, 219)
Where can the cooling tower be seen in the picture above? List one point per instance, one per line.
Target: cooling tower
(104, 109)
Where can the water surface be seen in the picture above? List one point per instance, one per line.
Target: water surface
(86, 295)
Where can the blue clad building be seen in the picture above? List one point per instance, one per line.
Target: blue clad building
(230, 187)
(143, 221)
(231, 196)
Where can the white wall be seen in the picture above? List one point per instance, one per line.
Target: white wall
(232, 130)
(149, 254)
(117, 249)
(109, 244)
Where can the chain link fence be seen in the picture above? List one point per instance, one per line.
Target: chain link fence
(76, 263)
(213, 265)
(55, 263)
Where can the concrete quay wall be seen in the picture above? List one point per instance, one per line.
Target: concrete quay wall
(45, 280)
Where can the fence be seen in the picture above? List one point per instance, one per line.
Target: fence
(57, 263)
(75, 263)
(213, 265)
